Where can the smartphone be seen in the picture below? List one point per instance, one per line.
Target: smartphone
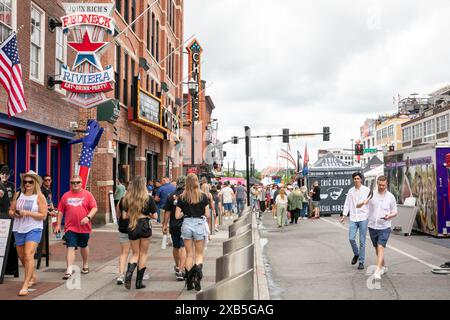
(18, 212)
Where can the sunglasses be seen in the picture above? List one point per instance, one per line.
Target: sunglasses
(47, 179)
(28, 181)
(75, 182)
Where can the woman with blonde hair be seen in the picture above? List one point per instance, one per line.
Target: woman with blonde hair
(193, 205)
(138, 207)
(29, 210)
(281, 202)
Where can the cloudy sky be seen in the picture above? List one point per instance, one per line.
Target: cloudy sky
(303, 65)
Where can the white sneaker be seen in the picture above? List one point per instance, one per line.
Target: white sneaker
(146, 276)
(377, 275)
(383, 270)
(120, 279)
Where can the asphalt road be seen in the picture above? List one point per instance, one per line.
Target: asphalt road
(311, 261)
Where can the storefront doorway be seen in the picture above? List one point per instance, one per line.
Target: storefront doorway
(151, 166)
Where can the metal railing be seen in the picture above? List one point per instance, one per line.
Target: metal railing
(238, 242)
(238, 287)
(240, 230)
(235, 262)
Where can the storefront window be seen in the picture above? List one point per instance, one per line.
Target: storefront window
(5, 19)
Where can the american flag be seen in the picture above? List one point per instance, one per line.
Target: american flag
(86, 157)
(11, 75)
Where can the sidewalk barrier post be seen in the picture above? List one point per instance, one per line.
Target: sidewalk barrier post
(238, 287)
(238, 242)
(233, 227)
(240, 230)
(235, 262)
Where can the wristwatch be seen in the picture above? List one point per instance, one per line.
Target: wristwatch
(89, 218)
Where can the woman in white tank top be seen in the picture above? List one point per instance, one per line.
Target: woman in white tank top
(29, 210)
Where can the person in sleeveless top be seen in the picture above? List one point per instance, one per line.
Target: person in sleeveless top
(28, 210)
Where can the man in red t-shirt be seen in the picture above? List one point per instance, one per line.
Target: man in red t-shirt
(79, 207)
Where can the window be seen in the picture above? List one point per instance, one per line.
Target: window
(406, 134)
(148, 83)
(442, 124)
(153, 35)
(133, 13)
(391, 131)
(378, 134)
(34, 156)
(117, 74)
(125, 80)
(149, 23)
(153, 87)
(5, 19)
(417, 131)
(37, 44)
(60, 53)
(126, 11)
(119, 5)
(428, 130)
(157, 42)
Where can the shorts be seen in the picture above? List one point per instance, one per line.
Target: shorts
(177, 240)
(34, 235)
(228, 206)
(143, 230)
(193, 228)
(316, 204)
(123, 237)
(74, 240)
(379, 237)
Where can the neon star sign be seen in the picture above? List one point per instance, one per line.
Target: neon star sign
(86, 51)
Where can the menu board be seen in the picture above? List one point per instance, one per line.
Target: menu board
(5, 228)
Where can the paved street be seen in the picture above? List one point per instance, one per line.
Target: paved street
(100, 284)
(311, 260)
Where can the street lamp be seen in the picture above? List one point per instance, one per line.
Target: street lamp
(193, 91)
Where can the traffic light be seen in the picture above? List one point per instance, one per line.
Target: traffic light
(359, 149)
(224, 154)
(326, 133)
(234, 140)
(285, 135)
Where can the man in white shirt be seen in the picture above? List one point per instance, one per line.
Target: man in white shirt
(382, 208)
(228, 196)
(358, 218)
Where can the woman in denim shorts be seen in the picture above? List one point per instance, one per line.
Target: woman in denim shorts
(29, 210)
(193, 205)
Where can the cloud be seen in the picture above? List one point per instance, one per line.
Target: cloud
(304, 65)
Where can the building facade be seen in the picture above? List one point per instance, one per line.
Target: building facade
(389, 131)
(368, 139)
(344, 155)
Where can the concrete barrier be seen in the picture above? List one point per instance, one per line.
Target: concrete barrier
(237, 287)
(235, 262)
(240, 230)
(238, 242)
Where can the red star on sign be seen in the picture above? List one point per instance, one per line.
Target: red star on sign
(86, 50)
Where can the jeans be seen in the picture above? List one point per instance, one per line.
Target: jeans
(281, 215)
(362, 226)
(240, 205)
(304, 208)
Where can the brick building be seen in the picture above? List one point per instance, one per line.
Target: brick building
(137, 143)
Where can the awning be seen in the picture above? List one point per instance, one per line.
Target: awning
(149, 130)
(34, 126)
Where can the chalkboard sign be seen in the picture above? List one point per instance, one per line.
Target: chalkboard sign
(5, 239)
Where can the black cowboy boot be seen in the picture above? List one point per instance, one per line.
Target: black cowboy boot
(189, 284)
(198, 275)
(139, 277)
(129, 275)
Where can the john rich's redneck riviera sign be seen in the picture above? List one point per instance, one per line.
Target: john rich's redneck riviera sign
(87, 80)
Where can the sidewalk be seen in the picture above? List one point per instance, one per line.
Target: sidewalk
(100, 283)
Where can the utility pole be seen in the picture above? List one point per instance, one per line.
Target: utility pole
(352, 148)
(234, 169)
(247, 157)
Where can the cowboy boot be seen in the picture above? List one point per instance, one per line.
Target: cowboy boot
(189, 284)
(129, 275)
(139, 277)
(198, 277)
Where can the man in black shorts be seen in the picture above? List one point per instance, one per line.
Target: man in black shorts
(179, 253)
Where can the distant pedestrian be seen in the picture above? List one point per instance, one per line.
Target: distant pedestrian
(215, 195)
(382, 208)
(304, 211)
(254, 197)
(120, 191)
(29, 210)
(228, 196)
(123, 222)
(358, 218)
(241, 195)
(139, 206)
(281, 202)
(173, 225)
(79, 208)
(193, 205)
(315, 196)
(262, 200)
(268, 200)
(205, 188)
(150, 186)
(161, 196)
(295, 204)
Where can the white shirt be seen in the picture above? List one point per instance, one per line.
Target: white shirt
(26, 224)
(280, 201)
(379, 206)
(227, 193)
(355, 196)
